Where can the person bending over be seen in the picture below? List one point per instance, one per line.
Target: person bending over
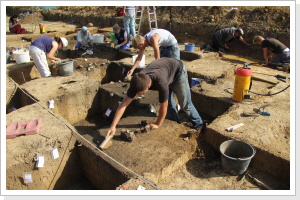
(279, 53)
(45, 47)
(226, 35)
(163, 43)
(163, 75)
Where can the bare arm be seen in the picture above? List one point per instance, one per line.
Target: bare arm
(265, 52)
(11, 26)
(50, 55)
(242, 39)
(125, 41)
(119, 113)
(161, 115)
(124, 9)
(154, 43)
(137, 62)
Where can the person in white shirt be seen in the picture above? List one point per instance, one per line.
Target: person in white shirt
(84, 37)
(163, 43)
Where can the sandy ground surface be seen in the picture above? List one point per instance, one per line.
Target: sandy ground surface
(203, 171)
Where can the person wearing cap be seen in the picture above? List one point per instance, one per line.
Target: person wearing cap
(83, 38)
(279, 53)
(161, 40)
(226, 35)
(44, 48)
(123, 39)
(163, 75)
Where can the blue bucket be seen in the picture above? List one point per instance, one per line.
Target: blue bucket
(189, 46)
(196, 81)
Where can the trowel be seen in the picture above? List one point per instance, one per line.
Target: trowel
(128, 78)
(106, 143)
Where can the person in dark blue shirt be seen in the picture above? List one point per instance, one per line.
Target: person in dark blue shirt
(45, 47)
(123, 39)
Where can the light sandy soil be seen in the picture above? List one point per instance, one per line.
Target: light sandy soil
(203, 171)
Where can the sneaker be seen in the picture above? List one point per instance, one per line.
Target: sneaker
(199, 128)
(221, 51)
(194, 132)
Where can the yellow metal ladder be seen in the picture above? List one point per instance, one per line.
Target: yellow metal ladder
(151, 17)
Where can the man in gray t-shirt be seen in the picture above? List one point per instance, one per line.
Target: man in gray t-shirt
(166, 75)
(226, 35)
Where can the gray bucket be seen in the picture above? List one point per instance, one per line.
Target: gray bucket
(236, 156)
(7, 57)
(65, 67)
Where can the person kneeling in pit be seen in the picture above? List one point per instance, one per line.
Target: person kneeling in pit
(123, 39)
(84, 38)
(222, 37)
(279, 54)
(167, 76)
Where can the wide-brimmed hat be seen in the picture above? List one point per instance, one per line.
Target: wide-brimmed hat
(64, 42)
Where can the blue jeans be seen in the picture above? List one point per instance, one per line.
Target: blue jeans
(278, 59)
(77, 46)
(182, 90)
(129, 21)
(125, 46)
(170, 52)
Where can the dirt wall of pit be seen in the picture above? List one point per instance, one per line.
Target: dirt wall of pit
(197, 21)
(101, 170)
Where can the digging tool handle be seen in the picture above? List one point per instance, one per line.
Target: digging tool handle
(106, 143)
(266, 105)
(280, 76)
(265, 113)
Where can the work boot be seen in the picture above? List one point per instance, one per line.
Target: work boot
(194, 132)
(209, 48)
(188, 124)
(286, 67)
(203, 46)
(198, 128)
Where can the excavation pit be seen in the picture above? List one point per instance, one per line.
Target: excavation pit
(78, 124)
(83, 101)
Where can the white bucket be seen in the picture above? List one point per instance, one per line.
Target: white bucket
(22, 56)
(98, 38)
(142, 63)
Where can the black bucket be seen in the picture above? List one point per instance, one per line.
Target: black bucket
(236, 156)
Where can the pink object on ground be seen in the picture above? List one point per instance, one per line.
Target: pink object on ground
(15, 129)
